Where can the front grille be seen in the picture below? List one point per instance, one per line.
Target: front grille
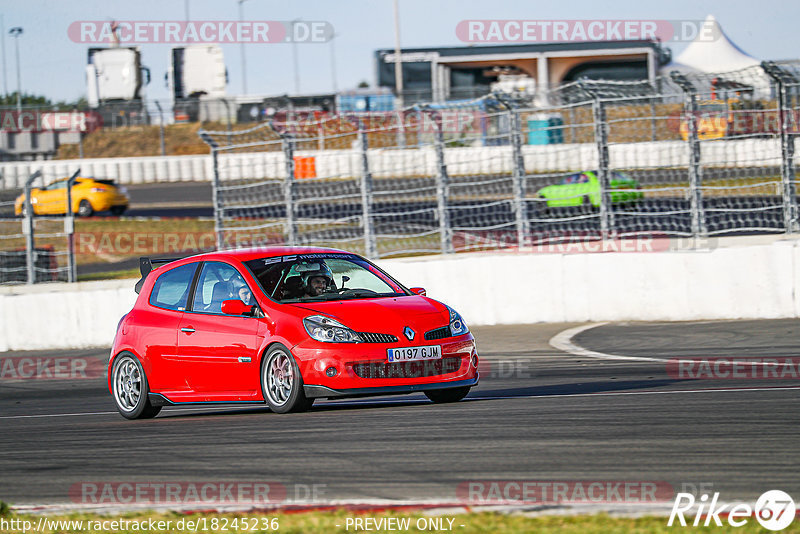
(408, 369)
(439, 333)
(370, 337)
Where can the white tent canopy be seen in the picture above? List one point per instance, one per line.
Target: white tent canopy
(712, 52)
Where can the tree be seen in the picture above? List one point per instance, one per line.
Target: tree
(10, 100)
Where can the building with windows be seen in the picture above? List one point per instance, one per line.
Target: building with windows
(450, 73)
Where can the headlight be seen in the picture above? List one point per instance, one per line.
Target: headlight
(326, 329)
(99, 190)
(457, 325)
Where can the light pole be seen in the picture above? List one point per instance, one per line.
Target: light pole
(398, 62)
(333, 63)
(294, 59)
(16, 32)
(244, 61)
(3, 44)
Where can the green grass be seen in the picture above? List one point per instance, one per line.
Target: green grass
(325, 522)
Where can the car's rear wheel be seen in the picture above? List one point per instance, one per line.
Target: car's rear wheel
(129, 385)
(282, 383)
(118, 210)
(85, 208)
(441, 396)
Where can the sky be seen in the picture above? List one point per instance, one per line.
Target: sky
(54, 66)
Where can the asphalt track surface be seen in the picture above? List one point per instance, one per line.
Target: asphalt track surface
(538, 414)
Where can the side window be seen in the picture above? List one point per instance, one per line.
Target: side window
(171, 290)
(219, 282)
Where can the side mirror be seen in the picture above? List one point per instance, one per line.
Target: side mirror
(236, 307)
(419, 291)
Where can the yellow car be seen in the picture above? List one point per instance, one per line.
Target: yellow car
(89, 195)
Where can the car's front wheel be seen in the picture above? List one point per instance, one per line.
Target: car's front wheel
(282, 383)
(85, 208)
(440, 396)
(129, 385)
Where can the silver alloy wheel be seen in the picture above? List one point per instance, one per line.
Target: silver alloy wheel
(127, 384)
(279, 378)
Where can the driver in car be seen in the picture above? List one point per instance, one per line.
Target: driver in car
(315, 283)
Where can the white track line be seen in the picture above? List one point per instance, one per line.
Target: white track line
(54, 415)
(623, 393)
(221, 407)
(563, 342)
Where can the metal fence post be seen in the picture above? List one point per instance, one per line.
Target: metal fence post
(69, 229)
(695, 167)
(288, 188)
(518, 172)
(219, 232)
(442, 186)
(370, 246)
(601, 139)
(782, 79)
(27, 228)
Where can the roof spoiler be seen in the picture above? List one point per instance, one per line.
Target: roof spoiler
(146, 265)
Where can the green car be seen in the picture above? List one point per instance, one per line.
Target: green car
(583, 189)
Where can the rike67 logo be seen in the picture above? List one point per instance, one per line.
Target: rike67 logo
(774, 510)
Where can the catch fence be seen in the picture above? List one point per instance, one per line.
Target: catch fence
(685, 155)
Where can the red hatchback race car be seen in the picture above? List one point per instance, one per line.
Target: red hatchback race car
(285, 326)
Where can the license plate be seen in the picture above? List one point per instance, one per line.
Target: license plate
(410, 354)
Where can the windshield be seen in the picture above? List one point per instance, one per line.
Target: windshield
(321, 277)
(579, 178)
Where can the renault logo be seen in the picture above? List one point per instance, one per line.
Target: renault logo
(409, 333)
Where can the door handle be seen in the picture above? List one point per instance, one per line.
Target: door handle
(188, 329)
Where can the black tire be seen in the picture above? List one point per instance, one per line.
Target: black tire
(441, 396)
(131, 400)
(118, 210)
(85, 208)
(282, 382)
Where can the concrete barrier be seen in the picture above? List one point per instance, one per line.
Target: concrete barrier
(752, 281)
(403, 162)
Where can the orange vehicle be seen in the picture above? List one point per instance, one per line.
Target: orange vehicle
(89, 195)
(717, 119)
(713, 118)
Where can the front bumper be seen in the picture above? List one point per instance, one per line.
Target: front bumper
(363, 368)
(316, 392)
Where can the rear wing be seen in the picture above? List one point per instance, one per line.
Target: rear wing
(146, 265)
